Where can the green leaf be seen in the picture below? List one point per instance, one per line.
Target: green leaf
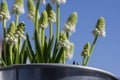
(8, 54)
(2, 62)
(50, 47)
(39, 53)
(55, 51)
(30, 52)
(45, 50)
(59, 56)
(15, 54)
(23, 54)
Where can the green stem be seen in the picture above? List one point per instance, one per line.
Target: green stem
(42, 38)
(91, 49)
(17, 46)
(16, 20)
(36, 15)
(84, 59)
(4, 42)
(11, 58)
(50, 30)
(57, 21)
(4, 27)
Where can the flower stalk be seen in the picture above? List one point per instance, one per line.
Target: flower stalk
(42, 38)
(57, 20)
(50, 30)
(98, 31)
(11, 54)
(36, 15)
(4, 27)
(91, 50)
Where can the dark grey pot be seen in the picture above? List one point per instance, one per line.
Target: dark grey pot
(53, 72)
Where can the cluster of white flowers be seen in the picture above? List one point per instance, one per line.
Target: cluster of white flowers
(100, 28)
(51, 14)
(70, 24)
(11, 39)
(68, 47)
(20, 34)
(96, 31)
(31, 15)
(69, 51)
(59, 1)
(66, 44)
(4, 13)
(18, 9)
(43, 26)
(52, 19)
(69, 28)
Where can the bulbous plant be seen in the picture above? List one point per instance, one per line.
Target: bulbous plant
(54, 48)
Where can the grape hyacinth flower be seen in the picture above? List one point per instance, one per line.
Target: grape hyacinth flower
(4, 13)
(20, 31)
(69, 51)
(63, 41)
(70, 24)
(51, 14)
(31, 9)
(100, 28)
(10, 38)
(18, 7)
(43, 21)
(58, 2)
(85, 53)
(86, 50)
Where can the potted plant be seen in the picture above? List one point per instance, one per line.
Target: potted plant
(47, 59)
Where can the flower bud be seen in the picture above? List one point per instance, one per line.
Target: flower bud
(69, 51)
(31, 9)
(4, 13)
(100, 24)
(51, 14)
(4, 6)
(86, 50)
(62, 36)
(100, 28)
(69, 26)
(72, 19)
(18, 7)
(19, 3)
(11, 29)
(43, 22)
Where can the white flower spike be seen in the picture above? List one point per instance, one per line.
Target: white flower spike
(100, 28)
(18, 7)
(70, 24)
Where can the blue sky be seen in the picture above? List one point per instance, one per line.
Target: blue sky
(106, 54)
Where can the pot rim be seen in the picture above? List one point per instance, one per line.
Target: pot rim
(46, 65)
